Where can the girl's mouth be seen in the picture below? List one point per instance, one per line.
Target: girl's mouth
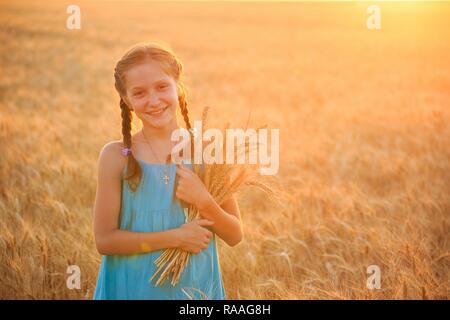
(157, 112)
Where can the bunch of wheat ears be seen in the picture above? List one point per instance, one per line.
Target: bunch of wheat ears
(221, 181)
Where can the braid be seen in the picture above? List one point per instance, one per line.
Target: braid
(126, 123)
(184, 112)
(133, 168)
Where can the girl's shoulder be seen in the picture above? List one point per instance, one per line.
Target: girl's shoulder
(111, 160)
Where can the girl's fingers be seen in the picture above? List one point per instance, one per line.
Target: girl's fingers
(180, 195)
(181, 187)
(205, 222)
(183, 168)
(181, 172)
(183, 196)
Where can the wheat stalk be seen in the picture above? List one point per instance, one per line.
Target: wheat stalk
(221, 181)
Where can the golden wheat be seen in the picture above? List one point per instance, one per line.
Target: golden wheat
(221, 181)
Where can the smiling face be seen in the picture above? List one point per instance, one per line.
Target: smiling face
(152, 94)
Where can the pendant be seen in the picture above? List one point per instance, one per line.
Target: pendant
(166, 179)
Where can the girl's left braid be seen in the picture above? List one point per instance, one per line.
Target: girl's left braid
(185, 114)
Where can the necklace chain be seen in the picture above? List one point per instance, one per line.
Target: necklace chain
(165, 177)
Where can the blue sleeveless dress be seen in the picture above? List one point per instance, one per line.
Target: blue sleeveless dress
(152, 208)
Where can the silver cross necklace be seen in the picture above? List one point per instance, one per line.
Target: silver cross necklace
(165, 174)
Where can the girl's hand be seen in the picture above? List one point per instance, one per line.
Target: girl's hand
(193, 236)
(190, 188)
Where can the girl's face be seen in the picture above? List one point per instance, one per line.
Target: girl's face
(152, 94)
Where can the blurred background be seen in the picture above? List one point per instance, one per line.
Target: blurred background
(364, 139)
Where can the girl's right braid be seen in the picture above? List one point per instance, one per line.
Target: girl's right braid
(133, 168)
(126, 123)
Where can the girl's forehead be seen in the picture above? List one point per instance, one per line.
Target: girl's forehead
(146, 73)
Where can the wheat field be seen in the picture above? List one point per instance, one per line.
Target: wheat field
(364, 139)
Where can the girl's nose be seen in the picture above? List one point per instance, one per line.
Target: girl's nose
(154, 100)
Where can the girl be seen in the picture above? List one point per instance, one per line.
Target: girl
(137, 206)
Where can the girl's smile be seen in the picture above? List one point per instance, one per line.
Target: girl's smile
(157, 113)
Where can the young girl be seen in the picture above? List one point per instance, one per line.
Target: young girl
(137, 207)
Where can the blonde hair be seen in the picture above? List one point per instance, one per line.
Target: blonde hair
(172, 66)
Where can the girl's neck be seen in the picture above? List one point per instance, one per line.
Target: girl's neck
(159, 134)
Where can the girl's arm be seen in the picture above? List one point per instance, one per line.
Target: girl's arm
(226, 217)
(109, 238)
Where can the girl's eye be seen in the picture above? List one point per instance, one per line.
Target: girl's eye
(163, 86)
(138, 93)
